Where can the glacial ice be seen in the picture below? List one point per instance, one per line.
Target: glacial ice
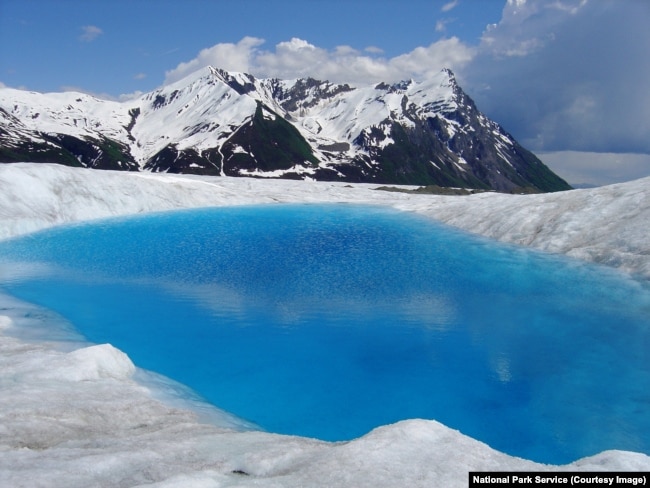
(74, 414)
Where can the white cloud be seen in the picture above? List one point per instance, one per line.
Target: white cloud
(514, 4)
(374, 50)
(525, 27)
(567, 75)
(441, 25)
(232, 57)
(422, 61)
(449, 6)
(292, 59)
(140, 76)
(344, 64)
(89, 33)
(568, 6)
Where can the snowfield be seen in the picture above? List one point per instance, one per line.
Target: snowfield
(79, 415)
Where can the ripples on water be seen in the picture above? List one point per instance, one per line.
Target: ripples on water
(327, 321)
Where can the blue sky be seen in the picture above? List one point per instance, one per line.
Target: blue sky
(568, 78)
(114, 47)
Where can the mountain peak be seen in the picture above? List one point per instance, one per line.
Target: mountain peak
(242, 83)
(220, 122)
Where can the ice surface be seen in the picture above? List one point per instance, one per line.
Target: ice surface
(606, 225)
(73, 414)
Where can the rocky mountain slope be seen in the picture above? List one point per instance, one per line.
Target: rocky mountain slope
(215, 122)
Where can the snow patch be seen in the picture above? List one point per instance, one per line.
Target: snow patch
(460, 164)
(90, 363)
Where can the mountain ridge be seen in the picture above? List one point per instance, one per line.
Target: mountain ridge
(217, 122)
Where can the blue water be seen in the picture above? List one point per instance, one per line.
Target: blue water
(327, 321)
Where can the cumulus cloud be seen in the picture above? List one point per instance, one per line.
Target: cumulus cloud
(567, 75)
(228, 56)
(297, 58)
(527, 26)
(292, 59)
(89, 33)
(423, 61)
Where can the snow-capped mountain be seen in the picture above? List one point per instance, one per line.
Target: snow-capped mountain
(221, 123)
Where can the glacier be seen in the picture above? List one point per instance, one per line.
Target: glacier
(75, 414)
